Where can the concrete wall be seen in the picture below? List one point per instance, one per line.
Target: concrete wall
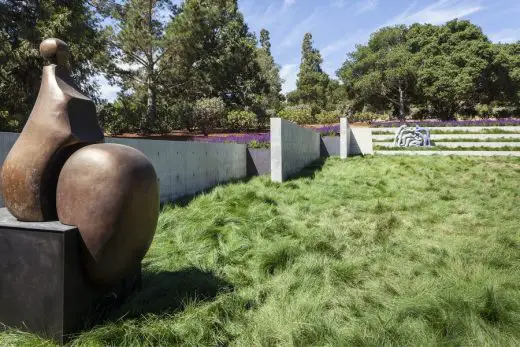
(185, 168)
(258, 161)
(344, 133)
(330, 146)
(361, 141)
(292, 148)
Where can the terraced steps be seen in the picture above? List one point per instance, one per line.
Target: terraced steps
(454, 136)
(461, 144)
(466, 141)
(446, 153)
(448, 129)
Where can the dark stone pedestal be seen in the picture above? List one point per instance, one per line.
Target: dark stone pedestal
(43, 288)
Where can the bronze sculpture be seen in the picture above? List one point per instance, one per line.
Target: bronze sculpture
(58, 169)
(121, 184)
(62, 119)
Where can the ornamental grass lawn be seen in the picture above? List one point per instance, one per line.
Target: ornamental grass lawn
(373, 251)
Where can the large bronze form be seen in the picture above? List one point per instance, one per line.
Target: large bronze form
(61, 119)
(110, 193)
(58, 169)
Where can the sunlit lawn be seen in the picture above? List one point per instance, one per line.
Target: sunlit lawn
(403, 251)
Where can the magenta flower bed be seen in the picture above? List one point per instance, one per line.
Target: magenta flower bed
(451, 123)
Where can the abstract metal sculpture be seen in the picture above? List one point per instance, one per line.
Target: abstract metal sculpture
(62, 119)
(110, 193)
(412, 137)
(58, 169)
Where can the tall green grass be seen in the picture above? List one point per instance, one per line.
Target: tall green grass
(373, 251)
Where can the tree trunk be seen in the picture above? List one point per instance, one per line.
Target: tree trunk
(151, 108)
(402, 109)
(151, 103)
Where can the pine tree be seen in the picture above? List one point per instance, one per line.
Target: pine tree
(312, 83)
(265, 40)
(269, 71)
(213, 54)
(23, 26)
(138, 43)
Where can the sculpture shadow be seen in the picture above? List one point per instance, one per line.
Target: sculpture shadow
(165, 292)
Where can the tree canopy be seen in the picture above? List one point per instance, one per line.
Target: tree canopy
(442, 70)
(197, 65)
(23, 26)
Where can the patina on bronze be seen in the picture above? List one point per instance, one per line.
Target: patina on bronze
(110, 192)
(62, 120)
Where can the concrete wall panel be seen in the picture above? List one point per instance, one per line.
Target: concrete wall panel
(361, 141)
(292, 148)
(183, 168)
(344, 134)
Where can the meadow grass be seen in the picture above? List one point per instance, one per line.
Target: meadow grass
(372, 251)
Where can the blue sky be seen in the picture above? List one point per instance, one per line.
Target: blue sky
(338, 25)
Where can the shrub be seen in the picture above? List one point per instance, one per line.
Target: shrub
(300, 114)
(364, 117)
(502, 111)
(241, 120)
(207, 113)
(328, 117)
(123, 115)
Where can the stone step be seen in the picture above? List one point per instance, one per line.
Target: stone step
(458, 153)
(470, 129)
(461, 144)
(454, 136)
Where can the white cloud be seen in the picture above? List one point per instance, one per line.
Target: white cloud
(366, 5)
(506, 36)
(437, 13)
(288, 3)
(106, 91)
(339, 3)
(296, 35)
(257, 17)
(289, 73)
(345, 44)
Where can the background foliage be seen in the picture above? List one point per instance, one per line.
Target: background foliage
(166, 57)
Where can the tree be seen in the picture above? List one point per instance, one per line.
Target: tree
(23, 25)
(383, 72)
(456, 65)
(138, 43)
(213, 54)
(269, 71)
(265, 40)
(312, 83)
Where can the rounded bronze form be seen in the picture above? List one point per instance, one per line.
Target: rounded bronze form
(110, 192)
(55, 51)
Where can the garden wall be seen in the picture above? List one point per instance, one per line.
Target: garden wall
(292, 148)
(183, 168)
(361, 141)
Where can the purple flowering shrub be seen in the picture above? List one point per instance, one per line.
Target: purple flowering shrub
(262, 140)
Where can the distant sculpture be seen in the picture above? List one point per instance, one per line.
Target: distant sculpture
(58, 169)
(412, 137)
